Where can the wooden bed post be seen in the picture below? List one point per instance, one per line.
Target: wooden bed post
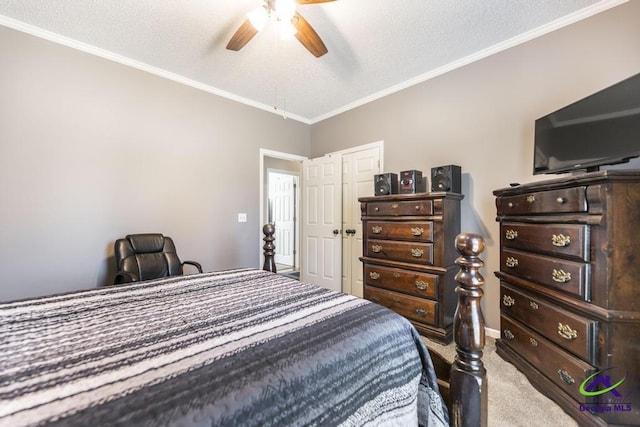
(468, 375)
(269, 230)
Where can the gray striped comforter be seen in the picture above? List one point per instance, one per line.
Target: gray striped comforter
(233, 348)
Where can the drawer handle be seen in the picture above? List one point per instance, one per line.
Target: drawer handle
(394, 206)
(564, 376)
(508, 334)
(376, 248)
(396, 274)
(417, 207)
(561, 200)
(395, 299)
(560, 276)
(375, 299)
(374, 275)
(533, 342)
(510, 204)
(566, 332)
(510, 234)
(421, 312)
(423, 286)
(560, 240)
(508, 301)
(417, 231)
(511, 262)
(376, 229)
(417, 253)
(533, 305)
(531, 198)
(376, 209)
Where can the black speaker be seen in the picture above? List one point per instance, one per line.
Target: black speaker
(446, 178)
(386, 183)
(412, 182)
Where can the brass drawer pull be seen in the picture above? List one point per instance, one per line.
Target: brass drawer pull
(374, 275)
(533, 342)
(395, 299)
(561, 200)
(417, 207)
(510, 204)
(417, 231)
(376, 248)
(564, 376)
(376, 229)
(374, 299)
(417, 253)
(508, 300)
(510, 234)
(511, 262)
(396, 274)
(394, 206)
(423, 286)
(376, 209)
(560, 276)
(421, 312)
(533, 305)
(566, 332)
(531, 198)
(508, 334)
(560, 240)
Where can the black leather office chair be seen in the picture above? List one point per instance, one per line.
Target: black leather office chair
(147, 256)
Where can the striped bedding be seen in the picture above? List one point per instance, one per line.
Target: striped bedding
(232, 348)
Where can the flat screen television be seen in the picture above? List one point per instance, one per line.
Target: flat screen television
(601, 129)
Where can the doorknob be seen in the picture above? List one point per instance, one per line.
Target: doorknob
(336, 232)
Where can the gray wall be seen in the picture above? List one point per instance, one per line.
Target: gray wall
(481, 116)
(91, 150)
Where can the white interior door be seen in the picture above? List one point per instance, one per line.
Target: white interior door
(358, 169)
(282, 189)
(321, 223)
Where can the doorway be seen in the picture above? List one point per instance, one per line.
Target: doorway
(279, 205)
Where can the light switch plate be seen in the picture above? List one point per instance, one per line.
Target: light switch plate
(242, 217)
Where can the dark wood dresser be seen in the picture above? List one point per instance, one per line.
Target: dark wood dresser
(570, 291)
(409, 257)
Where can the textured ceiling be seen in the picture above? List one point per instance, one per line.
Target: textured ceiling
(375, 47)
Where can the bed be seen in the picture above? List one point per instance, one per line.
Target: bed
(242, 347)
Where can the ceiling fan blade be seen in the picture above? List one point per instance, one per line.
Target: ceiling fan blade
(308, 36)
(242, 36)
(312, 1)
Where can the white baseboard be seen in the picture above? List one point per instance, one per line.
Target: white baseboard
(493, 333)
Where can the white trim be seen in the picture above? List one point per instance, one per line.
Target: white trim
(376, 144)
(493, 333)
(103, 53)
(278, 155)
(477, 56)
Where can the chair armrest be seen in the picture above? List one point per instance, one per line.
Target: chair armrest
(195, 264)
(124, 277)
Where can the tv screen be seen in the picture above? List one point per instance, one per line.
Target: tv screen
(602, 129)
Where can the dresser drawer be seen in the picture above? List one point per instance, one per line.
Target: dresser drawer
(418, 231)
(569, 240)
(568, 276)
(414, 308)
(564, 369)
(552, 201)
(415, 252)
(405, 207)
(406, 281)
(575, 333)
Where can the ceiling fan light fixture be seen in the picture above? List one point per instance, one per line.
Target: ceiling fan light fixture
(258, 18)
(285, 9)
(287, 30)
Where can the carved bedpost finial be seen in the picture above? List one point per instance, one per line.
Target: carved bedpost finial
(269, 230)
(468, 375)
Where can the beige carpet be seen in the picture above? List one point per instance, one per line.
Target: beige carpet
(512, 399)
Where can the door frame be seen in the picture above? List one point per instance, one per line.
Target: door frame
(278, 155)
(296, 212)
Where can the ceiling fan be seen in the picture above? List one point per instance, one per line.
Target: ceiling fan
(291, 23)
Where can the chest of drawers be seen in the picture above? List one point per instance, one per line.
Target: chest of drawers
(409, 257)
(570, 291)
